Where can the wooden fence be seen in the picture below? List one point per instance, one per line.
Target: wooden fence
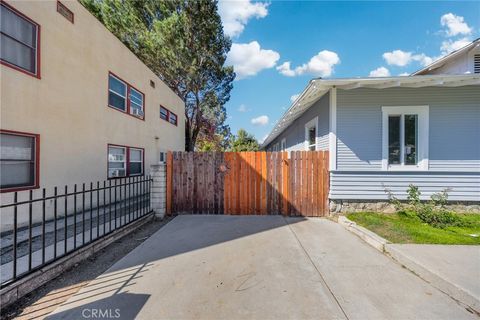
(248, 183)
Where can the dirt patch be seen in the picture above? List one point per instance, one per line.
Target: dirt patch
(41, 302)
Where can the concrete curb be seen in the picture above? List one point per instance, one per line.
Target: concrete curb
(11, 293)
(454, 291)
(421, 271)
(366, 235)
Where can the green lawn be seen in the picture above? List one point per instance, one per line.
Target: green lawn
(401, 229)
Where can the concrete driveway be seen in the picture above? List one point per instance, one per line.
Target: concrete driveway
(257, 267)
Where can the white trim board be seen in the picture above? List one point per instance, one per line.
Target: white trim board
(332, 136)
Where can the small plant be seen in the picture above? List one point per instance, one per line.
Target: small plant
(397, 204)
(432, 212)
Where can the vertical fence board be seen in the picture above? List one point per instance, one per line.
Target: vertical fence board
(169, 183)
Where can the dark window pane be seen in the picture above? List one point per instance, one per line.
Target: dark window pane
(411, 139)
(116, 101)
(117, 86)
(163, 113)
(17, 174)
(311, 135)
(18, 28)
(135, 168)
(173, 118)
(394, 140)
(17, 54)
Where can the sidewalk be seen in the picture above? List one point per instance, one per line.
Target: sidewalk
(453, 269)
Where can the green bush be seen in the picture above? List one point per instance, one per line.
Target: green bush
(432, 212)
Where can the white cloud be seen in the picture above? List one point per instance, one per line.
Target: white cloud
(455, 25)
(423, 59)
(242, 108)
(248, 59)
(320, 65)
(402, 58)
(236, 13)
(398, 58)
(260, 121)
(449, 45)
(294, 97)
(285, 69)
(404, 74)
(380, 72)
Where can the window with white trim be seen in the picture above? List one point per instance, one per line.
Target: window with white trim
(117, 161)
(125, 161)
(135, 162)
(405, 138)
(283, 144)
(18, 161)
(311, 129)
(125, 98)
(18, 41)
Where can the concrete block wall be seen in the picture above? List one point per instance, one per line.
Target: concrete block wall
(158, 198)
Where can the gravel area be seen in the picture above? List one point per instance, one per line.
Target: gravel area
(47, 298)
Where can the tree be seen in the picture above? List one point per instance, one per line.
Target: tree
(243, 141)
(183, 42)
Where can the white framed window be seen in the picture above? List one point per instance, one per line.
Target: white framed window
(117, 161)
(405, 138)
(135, 162)
(283, 144)
(117, 93)
(136, 102)
(311, 130)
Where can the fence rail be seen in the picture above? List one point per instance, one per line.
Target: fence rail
(65, 227)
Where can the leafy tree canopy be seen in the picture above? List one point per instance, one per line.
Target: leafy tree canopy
(183, 42)
(243, 141)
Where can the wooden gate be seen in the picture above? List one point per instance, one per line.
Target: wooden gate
(248, 183)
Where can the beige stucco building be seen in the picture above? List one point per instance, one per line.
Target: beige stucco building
(76, 104)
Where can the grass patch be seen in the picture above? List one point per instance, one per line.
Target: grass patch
(399, 228)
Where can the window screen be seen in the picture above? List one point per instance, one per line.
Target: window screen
(17, 160)
(117, 162)
(136, 162)
(18, 40)
(117, 93)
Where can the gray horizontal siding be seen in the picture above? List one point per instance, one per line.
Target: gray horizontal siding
(371, 185)
(454, 121)
(295, 133)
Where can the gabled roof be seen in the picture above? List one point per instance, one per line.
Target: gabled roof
(316, 88)
(442, 61)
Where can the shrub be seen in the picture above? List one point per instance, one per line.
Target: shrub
(432, 212)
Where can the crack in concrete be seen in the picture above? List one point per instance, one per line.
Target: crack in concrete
(318, 271)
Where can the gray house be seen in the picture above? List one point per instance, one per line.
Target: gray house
(387, 133)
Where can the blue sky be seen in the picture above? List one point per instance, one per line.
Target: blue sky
(279, 46)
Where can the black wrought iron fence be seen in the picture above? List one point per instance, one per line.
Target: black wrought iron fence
(72, 220)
